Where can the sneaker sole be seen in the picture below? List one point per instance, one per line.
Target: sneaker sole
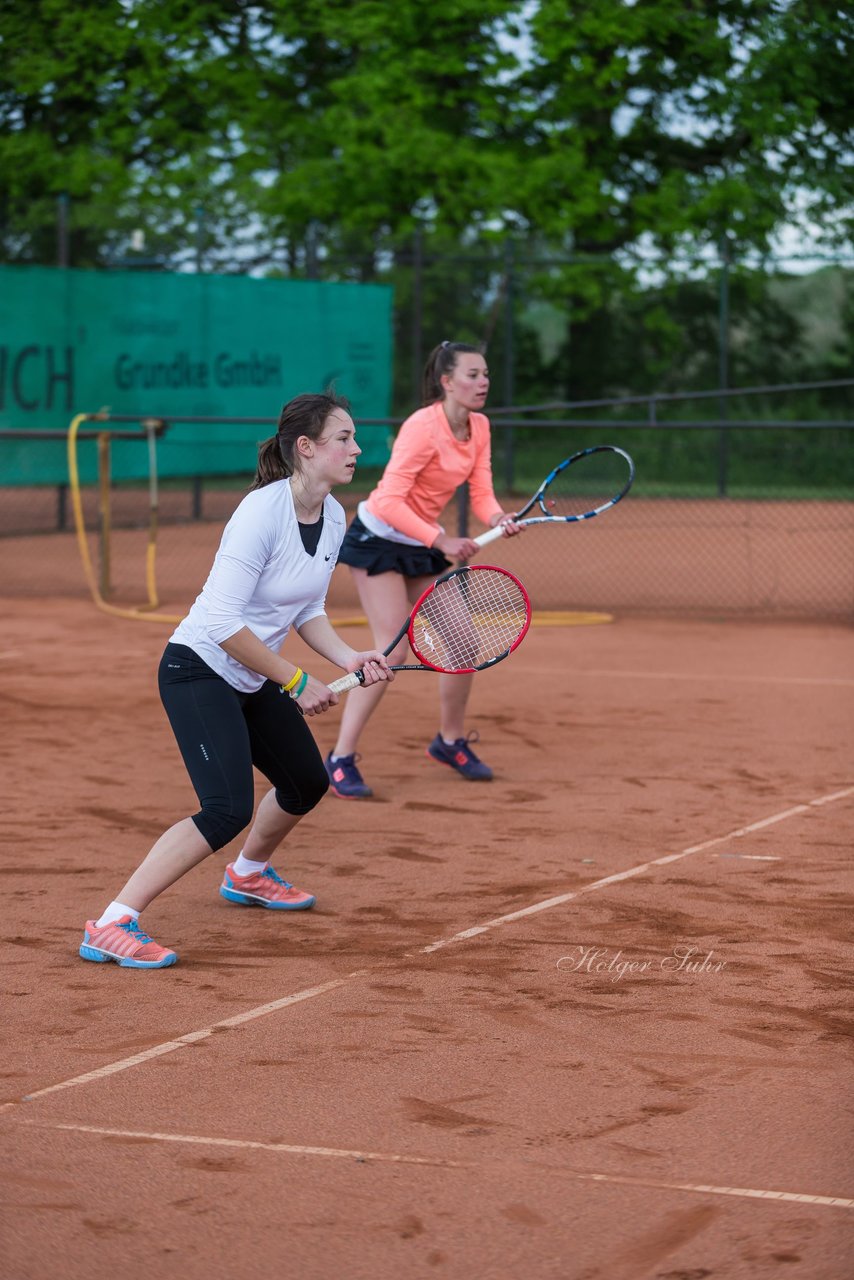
(248, 900)
(465, 776)
(125, 962)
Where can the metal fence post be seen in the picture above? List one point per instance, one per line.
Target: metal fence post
(311, 271)
(200, 238)
(62, 229)
(463, 510)
(104, 512)
(509, 355)
(417, 309)
(723, 366)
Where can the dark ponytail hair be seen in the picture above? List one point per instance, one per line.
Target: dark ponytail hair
(442, 360)
(305, 415)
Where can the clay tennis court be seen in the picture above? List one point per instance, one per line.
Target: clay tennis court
(590, 1020)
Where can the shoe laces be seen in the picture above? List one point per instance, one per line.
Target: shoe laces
(132, 926)
(270, 874)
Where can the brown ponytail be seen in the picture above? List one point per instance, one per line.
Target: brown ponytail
(305, 415)
(442, 360)
(271, 465)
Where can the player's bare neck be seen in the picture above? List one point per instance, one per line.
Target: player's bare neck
(308, 506)
(458, 421)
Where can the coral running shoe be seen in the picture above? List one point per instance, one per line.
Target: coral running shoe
(263, 889)
(125, 943)
(345, 779)
(459, 755)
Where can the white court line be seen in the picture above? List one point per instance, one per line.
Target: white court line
(629, 874)
(285, 1148)
(834, 795)
(769, 822)
(751, 857)
(722, 678)
(836, 1202)
(192, 1037)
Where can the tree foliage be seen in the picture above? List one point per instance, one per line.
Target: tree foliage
(597, 127)
(683, 121)
(294, 136)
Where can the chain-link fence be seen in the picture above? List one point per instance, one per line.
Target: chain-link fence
(566, 324)
(736, 516)
(576, 326)
(730, 514)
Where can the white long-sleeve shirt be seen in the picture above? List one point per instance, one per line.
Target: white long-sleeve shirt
(262, 578)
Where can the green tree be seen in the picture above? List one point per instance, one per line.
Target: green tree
(320, 136)
(599, 128)
(104, 103)
(682, 122)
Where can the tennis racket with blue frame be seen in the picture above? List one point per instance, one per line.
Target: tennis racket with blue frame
(584, 485)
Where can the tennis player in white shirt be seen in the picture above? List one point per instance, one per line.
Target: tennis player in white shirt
(232, 700)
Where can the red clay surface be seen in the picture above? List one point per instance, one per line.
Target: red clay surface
(512, 1103)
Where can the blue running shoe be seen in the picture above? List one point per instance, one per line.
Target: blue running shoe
(459, 755)
(345, 779)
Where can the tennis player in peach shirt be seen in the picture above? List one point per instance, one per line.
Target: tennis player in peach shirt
(395, 547)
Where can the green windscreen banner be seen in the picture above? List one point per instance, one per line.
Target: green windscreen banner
(170, 346)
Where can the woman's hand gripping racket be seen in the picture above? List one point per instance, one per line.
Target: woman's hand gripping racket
(582, 486)
(468, 619)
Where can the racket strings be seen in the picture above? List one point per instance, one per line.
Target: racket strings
(590, 482)
(469, 620)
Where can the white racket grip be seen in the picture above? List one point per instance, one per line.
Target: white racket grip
(489, 536)
(343, 683)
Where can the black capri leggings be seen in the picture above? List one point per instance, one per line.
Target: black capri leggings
(222, 733)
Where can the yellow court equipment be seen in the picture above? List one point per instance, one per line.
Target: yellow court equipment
(100, 581)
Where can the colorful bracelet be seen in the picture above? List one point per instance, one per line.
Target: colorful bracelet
(295, 693)
(294, 680)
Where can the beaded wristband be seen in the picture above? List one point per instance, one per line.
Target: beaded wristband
(295, 693)
(294, 680)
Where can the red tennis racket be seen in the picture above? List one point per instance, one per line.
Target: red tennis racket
(467, 620)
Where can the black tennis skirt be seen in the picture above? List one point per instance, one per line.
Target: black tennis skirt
(361, 549)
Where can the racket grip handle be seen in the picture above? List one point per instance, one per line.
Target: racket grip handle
(489, 536)
(351, 681)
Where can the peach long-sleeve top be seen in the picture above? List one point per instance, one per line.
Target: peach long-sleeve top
(428, 463)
